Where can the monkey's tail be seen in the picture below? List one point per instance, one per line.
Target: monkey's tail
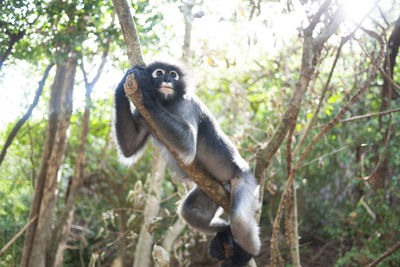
(244, 226)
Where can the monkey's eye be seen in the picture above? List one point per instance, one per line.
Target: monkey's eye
(174, 74)
(158, 73)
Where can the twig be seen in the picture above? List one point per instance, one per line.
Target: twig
(376, 62)
(324, 156)
(17, 235)
(321, 99)
(388, 130)
(323, 248)
(365, 116)
(385, 254)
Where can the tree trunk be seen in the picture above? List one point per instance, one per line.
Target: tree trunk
(64, 222)
(145, 242)
(59, 240)
(187, 15)
(383, 171)
(172, 234)
(38, 236)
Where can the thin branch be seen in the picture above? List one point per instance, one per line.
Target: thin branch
(331, 28)
(334, 121)
(308, 61)
(386, 254)
(291, 220)
(17, 235)
(28, 113)
(389, 79)
(359, 117)
(324, 156)
(321, 99)
(323, 248)
(274, 247)
(388, 130)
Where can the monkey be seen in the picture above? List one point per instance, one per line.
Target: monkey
(191, 130)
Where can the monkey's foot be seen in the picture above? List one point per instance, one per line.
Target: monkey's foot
(224, 247)
(221, 245)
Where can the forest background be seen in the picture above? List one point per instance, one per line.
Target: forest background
(307, 90)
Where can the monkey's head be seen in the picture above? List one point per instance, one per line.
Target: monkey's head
(168, 80)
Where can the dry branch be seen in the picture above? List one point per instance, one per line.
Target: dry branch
(387, 253)
(311, 52)
(359, 117)
(4, 249)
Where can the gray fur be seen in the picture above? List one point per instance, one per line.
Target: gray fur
(190, 129)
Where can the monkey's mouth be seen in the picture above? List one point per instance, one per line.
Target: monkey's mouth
(166, 88)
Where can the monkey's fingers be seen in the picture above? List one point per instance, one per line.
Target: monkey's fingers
(132, 89)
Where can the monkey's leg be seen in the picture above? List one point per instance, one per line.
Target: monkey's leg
(198, 210)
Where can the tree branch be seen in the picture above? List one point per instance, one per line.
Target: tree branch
(28, 113)
(387, 253)
(365, 116)
(210, 186)
(129, 31)
(4, 249)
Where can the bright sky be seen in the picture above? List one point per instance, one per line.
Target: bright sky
(19, 83)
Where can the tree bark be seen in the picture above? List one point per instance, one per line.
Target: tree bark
(382, 173)
(186, 10)
(64, 222)
(172, 234)
(130, 33)
(38, 235)
(145, 242)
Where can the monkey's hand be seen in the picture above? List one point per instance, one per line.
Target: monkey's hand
(144, 85)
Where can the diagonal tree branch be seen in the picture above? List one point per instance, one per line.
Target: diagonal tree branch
(208, 184)
(130, 33)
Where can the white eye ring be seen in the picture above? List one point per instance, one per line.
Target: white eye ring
(174, 75)
(158, 73)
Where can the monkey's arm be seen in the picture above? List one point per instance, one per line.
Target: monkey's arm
(180, 131)
(181, 134)
(131, 130)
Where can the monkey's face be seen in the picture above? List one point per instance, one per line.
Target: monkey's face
(167, 81)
